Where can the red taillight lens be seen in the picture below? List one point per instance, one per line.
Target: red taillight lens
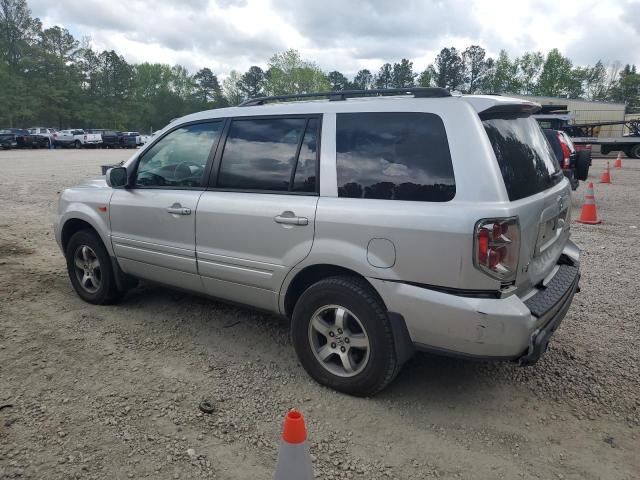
(497, 247)
(566, 153)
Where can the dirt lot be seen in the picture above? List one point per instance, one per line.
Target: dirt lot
(113, 392)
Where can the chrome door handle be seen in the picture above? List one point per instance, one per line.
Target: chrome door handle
(289, 218)
(179, 210)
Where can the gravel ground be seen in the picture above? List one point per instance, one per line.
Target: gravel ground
(113, 392)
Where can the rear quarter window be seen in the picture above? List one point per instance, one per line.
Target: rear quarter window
(393, 156)
(527, 161)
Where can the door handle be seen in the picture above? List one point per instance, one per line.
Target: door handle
(289, 218)
(179, 210)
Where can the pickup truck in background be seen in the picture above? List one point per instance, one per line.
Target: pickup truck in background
(20, 138)
(44, 132)
(79, 138)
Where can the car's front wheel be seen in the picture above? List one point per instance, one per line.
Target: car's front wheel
(89, 268)
(343, 337)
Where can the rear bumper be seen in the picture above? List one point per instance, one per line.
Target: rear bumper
(511, 328)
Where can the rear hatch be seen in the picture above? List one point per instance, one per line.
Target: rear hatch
(539, 195)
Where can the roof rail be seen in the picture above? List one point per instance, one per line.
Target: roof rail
(418, 92)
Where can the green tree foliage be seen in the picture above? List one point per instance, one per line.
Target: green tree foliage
(475, 65)
(384, 78)
(338, 81)
(251, 84)
(288, 73)
(363, 80)
(47, 77)
(448, 69)
(403, 76)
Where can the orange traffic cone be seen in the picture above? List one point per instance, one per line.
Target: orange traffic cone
(618, 162)
(294, 461)
(589, 214)
(606, 175)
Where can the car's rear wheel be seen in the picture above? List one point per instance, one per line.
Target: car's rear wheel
(89, 268)
(634, 152)
(77, 144)
(343, 337)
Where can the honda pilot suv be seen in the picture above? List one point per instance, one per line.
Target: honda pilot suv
(378, 222)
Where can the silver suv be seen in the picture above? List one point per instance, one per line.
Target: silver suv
(379, 226)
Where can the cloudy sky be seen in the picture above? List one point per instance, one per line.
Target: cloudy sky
(346, 35)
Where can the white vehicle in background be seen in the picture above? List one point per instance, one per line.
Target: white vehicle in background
(78, 138)
(49, 133)
(136, 135)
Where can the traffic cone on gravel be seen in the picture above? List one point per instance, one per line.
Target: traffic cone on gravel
(589, 214)
(618, 162)
(294, 461)
(606, 175)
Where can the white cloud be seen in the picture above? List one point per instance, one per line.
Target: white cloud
(347, 35)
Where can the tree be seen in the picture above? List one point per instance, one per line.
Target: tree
(252, 82)
(448, 69)
(529, 69)
(208, 85)
(337, 81)
(627, 88)
(557, 78)
(18, 31)
(231, 90)
(363, 80)
(502, 75)
(475, 67)
(595, 82)
(425, 78)
(288, 74)
(403, 76)
(384, 78)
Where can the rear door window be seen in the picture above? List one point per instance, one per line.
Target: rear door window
(527, 162)
(277, 154)
(393, 156)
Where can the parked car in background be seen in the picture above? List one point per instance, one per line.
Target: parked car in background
(567, 156)
(132, 139)
(369, 227)
(82, 138)
(63, 138)
(44, 132)
(19, 138)
(110, 138)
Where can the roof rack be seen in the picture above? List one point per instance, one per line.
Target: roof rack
(418, 92)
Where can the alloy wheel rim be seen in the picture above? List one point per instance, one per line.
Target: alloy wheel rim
(87, 268)
(339, 341)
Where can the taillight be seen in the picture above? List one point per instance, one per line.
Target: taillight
(566, 153)
(497, 247)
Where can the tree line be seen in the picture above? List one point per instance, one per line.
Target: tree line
(50, 78)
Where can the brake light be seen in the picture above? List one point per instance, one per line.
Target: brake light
(566, 153)
(497, 247)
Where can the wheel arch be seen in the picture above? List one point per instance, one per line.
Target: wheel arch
(77, 222)
(311, 274)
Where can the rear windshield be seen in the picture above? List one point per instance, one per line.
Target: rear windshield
(526, 160)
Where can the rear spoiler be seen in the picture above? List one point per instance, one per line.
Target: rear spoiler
(517, 109)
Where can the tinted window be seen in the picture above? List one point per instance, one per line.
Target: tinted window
(260, 154)
(527, 162)
(179, 159)
(393, 156)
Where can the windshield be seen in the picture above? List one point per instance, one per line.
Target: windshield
(526, 160)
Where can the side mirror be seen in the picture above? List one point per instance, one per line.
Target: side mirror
(117, 177)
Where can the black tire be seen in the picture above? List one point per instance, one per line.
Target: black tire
(355, 295)
(77, 144)
(107, 291)
(583, 160)
(634, 152)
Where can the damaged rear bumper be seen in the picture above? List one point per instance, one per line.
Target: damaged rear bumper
(510, 328)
